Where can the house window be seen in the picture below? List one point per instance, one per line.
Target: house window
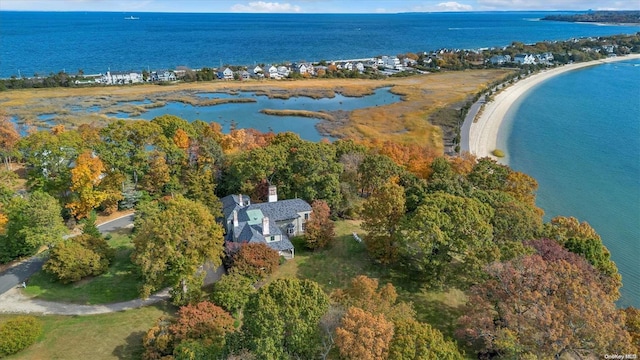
(304, 227)
(306, 216)
(290, 230)
(273, 238)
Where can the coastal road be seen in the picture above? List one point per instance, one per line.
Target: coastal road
(468, 120)
(15, 275)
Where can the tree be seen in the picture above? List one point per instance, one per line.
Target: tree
(487, 174)
(78, 257)
(255, 261)
(282, 319)
(232, 292)
(8, 139)
(366, 294)
(364, 336)
(157, 174)
(85, 178)
(448, 236)
(319, 232)
(173, 239)
(532, 307)
(582, 239)
(33, 222)
(382, 214)
(203, 322)
(413, 340)
(632, 325)
(374, 171)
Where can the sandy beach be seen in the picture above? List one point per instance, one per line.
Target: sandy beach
(483, 135)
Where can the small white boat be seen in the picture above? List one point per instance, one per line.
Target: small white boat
(132, 18)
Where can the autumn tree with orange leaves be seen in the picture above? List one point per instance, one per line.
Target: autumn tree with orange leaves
(85, 178)
(364, 336)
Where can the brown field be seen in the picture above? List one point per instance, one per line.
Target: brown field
(404, 122)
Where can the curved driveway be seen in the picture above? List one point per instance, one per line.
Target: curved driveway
(15, 275)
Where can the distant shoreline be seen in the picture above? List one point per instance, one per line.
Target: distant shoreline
(483, 135)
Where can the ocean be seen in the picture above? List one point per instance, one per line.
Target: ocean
(583, 149)
(45, 42)
(578, 134)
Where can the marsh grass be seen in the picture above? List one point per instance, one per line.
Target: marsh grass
(119, 283)
(302, 113)
(406, 122)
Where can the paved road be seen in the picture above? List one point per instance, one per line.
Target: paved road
(15, 275)
(468, 120)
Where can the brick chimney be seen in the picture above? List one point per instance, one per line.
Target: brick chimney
(265, 226)
(273, 193)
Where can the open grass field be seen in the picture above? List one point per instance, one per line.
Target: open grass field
(408, 122)
(96, 337)
(119, 283)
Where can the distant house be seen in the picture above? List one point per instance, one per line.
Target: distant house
(360, 67)
(244, 75)
(270, 223)
(390, 62)
(256, 72)
(163, 75)
(524, 59)
(227, 74)
(283, 71)
(273, 73)
(119, 78)
(500, 59)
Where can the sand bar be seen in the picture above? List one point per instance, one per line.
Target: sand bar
(483, 135)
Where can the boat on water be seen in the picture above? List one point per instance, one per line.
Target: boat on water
(131, 18)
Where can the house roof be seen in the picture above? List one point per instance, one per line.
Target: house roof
(283, 209)
(250, 217)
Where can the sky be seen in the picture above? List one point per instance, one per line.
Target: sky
(314, 6)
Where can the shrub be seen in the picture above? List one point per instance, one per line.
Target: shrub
(498, 153)
(18, 333)
(75, 258)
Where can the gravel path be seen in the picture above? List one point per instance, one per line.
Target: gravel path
(15, 302)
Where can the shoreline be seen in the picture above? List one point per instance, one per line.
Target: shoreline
(483, 133)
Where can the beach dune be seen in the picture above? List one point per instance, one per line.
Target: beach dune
(483, 134)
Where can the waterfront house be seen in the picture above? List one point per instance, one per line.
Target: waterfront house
(256, 72)
(244, 75)
(500, 59)
(162, 75)
(227, 74)
(273, 73)
(524, 59)
(120, 78)
(360, 67)
(283, 71)
(271, 223)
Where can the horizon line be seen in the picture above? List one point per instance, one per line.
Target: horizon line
(312, 13)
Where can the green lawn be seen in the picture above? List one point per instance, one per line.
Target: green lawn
(106, 336)
(119, 283)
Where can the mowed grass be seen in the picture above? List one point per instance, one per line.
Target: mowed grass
(119, 283)
(334, 268)
(106, 336)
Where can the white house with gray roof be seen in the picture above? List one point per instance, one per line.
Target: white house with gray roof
(271, 223)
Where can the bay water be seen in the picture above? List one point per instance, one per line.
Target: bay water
(578, 135)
